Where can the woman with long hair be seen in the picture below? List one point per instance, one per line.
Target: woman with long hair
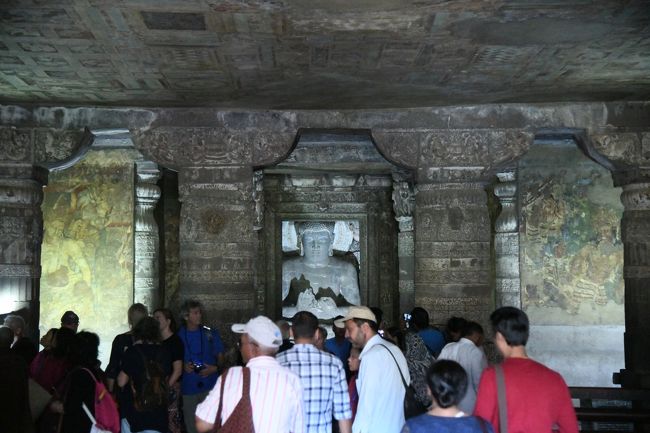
(174, 346)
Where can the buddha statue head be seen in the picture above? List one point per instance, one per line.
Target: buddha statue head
(316, 240)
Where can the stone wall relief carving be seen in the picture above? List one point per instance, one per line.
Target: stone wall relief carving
(258, 199)
(176, 147)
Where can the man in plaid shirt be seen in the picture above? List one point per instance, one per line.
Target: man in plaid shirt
(325, 391)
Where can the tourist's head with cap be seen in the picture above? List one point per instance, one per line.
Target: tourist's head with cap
(360, 325)
(259, 337)
(70, 320)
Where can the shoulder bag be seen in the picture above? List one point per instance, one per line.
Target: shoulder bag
(241, 418)
(412, 406)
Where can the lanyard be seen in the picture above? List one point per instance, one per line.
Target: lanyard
(189, 349)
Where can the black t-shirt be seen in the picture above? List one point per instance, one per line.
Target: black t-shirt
(80, 388)
(133, 365)
(174, 346)
(121, 344)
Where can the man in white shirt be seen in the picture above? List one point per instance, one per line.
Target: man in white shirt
(379, 383)
(275, 391)
(468, 353)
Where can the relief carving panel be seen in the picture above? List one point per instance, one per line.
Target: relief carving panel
(191, 146)
(400, 147)
(38, 145)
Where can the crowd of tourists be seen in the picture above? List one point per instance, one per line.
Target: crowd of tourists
(283, 376)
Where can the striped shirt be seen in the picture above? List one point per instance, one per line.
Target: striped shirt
(325, 391)
(276, 397)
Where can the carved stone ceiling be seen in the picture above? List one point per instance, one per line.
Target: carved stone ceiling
(322, 54)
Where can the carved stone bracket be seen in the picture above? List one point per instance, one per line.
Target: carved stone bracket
(472, 153)
(625, 154)
(146, 287)
(508, 280)
(41, 146)
(177, 147)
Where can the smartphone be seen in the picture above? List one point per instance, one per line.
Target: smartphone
(407, 319)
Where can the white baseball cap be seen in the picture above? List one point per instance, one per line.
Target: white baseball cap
(261, 329)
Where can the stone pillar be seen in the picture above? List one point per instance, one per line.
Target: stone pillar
(24, 154)
(21, 235)
(403, 204)
(452, 251)
(146, 287)
(635, 234)
(506, 243)
(217, 240)
(627, 155)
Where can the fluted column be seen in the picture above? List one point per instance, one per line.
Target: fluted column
(506, 242)
(146, 287)
(635, 233)
(403, 204)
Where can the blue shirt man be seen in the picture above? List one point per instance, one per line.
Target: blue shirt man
(203, 349)
(339, 345)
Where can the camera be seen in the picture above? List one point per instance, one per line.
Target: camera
(198, 366)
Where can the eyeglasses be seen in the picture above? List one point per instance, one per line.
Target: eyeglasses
(240, 344)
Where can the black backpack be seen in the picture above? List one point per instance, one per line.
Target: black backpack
(153, 393)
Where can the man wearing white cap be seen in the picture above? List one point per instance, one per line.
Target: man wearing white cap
(275, 392)
(379, 383)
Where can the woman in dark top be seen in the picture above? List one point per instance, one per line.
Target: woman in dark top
(133, 379)
(447, 382)
(174, 346)
(80, 384)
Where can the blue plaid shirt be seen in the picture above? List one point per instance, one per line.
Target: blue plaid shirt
(324, 387)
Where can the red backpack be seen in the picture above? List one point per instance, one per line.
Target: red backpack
(106, 414)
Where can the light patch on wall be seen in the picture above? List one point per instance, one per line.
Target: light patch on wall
(571, 250)
(87, 255)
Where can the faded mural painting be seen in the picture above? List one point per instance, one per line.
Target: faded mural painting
(87, 255)
(571, 249)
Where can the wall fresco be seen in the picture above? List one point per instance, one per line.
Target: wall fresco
(571, 249)
(87, 256)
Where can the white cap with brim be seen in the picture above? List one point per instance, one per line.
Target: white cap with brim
(356, 312)
(261, 329)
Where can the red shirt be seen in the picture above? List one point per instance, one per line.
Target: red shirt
(537, 398)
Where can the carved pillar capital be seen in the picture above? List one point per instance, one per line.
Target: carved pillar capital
(505, 190)
(636, 196)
